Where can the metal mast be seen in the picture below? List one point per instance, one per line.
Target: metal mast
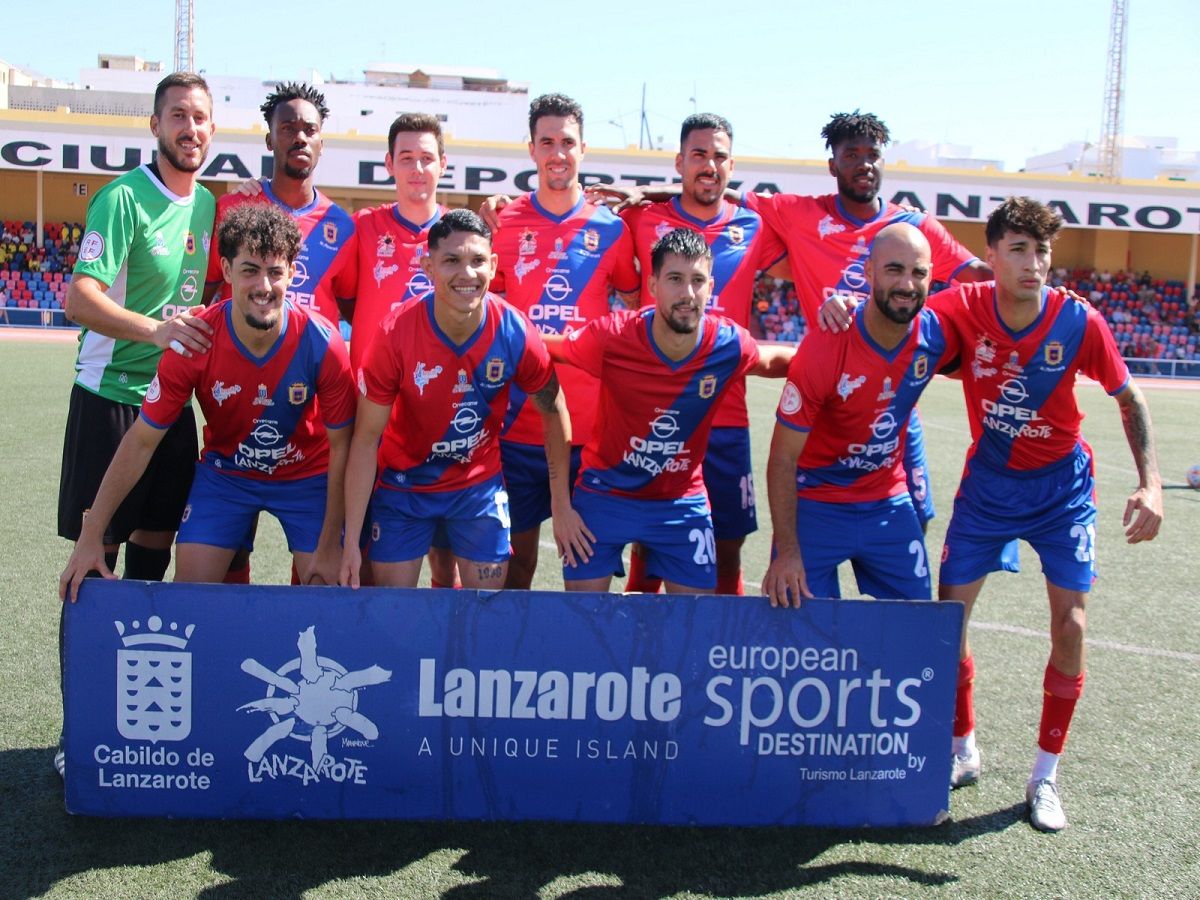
(185, 42)
(1114, 93)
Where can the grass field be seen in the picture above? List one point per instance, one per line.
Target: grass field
(1130, 779)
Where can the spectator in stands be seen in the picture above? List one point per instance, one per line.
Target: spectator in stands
(1105, 276)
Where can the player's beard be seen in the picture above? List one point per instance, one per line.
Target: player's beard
(167, 151)
(847, 189)
(682, 327)
(899, 316)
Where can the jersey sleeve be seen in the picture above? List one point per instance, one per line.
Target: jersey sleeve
(170, 389)
(534, 369)
(770, 246)
(382, 372)
(1100, 359)
(750, 352)
(949, 256)
(584, 347)
(624, 277)
(344, 281)
(214, 275)
(335, 384)
(108, 235)
(805, 390)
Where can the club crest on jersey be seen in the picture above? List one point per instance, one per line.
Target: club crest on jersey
(920, 366)
(1054, 353)
(386, 248)
(422, 376)
(736, 234)
(708, 387)
(827, 227)
(297, 393)
(591, 240)
(189, 243)
(330, 231)
(495, 369)
(847, 385)
(462, 385)
(220, 393)
(262, 398)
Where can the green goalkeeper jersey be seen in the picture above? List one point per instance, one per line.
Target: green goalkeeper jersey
(151, 248)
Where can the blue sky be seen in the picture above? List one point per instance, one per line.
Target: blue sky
(1008, 79)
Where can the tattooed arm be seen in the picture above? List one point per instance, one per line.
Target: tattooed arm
(1144, 509)
(571, 535)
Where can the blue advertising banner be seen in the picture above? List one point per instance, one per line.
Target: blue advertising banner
(273, 702)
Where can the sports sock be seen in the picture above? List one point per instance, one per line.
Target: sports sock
(295, 573)
(729, 584)
(433, 582)
(638, 580)
(964, 700)
(145, 563)
(964, 745)
(238, 576)
(1061, 693)
(1045, 766)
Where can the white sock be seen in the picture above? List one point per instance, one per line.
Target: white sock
(965, 745)
(1045, 767)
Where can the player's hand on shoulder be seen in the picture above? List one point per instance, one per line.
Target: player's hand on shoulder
(491, 208)
(837, 313)
(184, 333)
(573, 538)
(616, 197)
(1143, 515)
(251, 187)
(785, 584)
(85, 557)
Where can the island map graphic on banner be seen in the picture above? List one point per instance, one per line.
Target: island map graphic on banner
(283, 702)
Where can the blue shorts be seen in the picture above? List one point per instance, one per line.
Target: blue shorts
(475, 520)
(676, 537)
(527, 480)
(916, 470)
(881, 539)
(221, 508)
(1054, 509)
(729, 480)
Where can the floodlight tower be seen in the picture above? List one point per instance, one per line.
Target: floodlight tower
(185, 42)
(1114, 93)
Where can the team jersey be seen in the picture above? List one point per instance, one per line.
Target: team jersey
(448, 400)
(385, 269)
(150, 247)
(854, 398)
(741, 247)
(655, 414)
(325, 230)
(558, 270)
(265, 417)
(827, 247)
(1020, 386)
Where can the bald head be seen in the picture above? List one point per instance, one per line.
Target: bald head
(900, 268)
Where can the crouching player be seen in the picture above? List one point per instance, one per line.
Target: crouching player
(277, 397)
(662, 372)
(434, 386)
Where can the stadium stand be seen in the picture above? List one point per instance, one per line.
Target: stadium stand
(33, 277)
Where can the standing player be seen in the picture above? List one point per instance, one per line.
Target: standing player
(277, 396)
(663, 371)
(1023, 345)
(835, 475)
(559, 258)
(434, 387)
(740, 248)
(828, 240)
(141, 262)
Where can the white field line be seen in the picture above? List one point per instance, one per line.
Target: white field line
(1092, 643)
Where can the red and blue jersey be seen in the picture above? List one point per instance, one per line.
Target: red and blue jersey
(1020, 386)
(560, 271)
(827, 247)
(384, 269)
(448, 400)
(655, 413)
(741, 247)
(324, 261)
(854, 398)
(265, 417)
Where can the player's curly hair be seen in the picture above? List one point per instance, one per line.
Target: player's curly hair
(1024, 216)
(260, 229)
(703, 121)
(681, 242)
(458, 220)
(554, 105)
(293, 90)
(844, 126)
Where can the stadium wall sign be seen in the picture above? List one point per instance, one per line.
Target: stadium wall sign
(272, 702)
(491, 169)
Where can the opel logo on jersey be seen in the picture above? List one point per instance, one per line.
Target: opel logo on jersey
(664, 426)
(301, 275)
(1013, 391)
(465, 421)
(884, 425)
(266, 434)
(853, 276)
(557, 288)
(419, 284)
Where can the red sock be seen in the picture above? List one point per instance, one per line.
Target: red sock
(433, 582)
(238, 576)
(638, 581)
(729, 584)
(964, 701)
(1058, 705)
(295, 573)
